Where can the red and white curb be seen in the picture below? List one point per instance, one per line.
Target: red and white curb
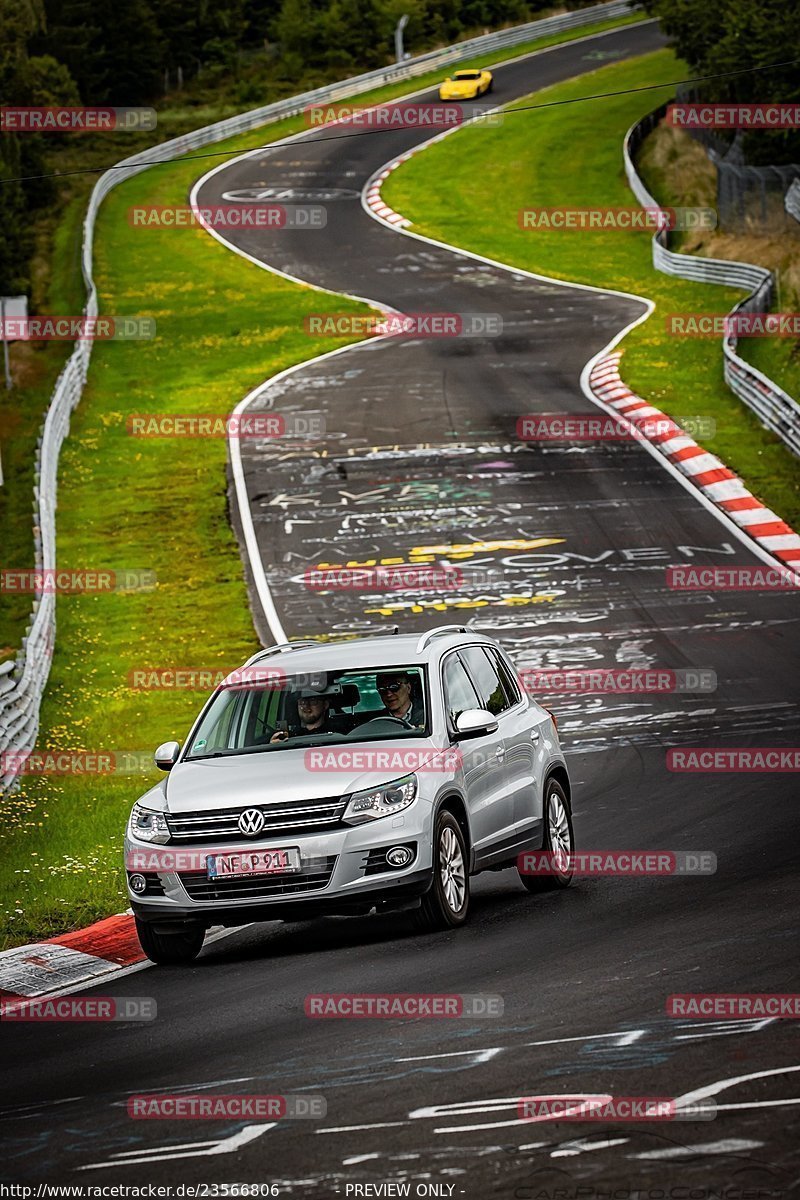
(372, 195)
(70, 961)
(707, 472)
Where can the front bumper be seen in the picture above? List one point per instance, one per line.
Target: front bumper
(341, 872)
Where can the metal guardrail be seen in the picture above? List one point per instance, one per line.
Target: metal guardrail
(23, 681)
(791, 201)
(776, 409)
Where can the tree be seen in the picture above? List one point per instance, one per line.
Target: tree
(24, 80)
(731, 37)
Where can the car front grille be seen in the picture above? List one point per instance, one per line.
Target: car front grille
(256, 887)
(289, 817)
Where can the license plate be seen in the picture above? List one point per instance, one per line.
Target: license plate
(253, 862)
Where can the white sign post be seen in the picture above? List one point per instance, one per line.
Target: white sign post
(16, 307)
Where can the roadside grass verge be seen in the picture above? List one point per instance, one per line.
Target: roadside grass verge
(570, 155)
(223, 326)
(679, 172)
(58, 284)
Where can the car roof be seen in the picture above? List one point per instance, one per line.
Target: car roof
(382, 651)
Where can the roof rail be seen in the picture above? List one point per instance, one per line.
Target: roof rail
(439, 631)
(282, 648)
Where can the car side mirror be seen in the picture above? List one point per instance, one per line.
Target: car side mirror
(166, 755)
(475, 722)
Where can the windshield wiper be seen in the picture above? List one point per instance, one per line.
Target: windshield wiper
(213, 754)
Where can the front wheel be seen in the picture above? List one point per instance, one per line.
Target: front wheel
(558, 842)
(445, 904)
(170, 948)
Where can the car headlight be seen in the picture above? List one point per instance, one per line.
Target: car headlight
(147, 825)
(381, 801)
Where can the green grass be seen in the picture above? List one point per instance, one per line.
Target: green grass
(679, 172)
(58, 283)
(223, 325)
(571, 155)
(778, 358)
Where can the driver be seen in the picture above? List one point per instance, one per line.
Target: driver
(313, 717)
(396, 691)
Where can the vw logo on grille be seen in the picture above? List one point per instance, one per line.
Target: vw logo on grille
(251, 821)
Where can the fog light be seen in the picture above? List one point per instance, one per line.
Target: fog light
(137, 884)
(399, 856)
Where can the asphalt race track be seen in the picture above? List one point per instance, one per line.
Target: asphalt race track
(569, 546)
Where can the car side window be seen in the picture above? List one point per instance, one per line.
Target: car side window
(459, 694)
(489, 686)
(510, 685)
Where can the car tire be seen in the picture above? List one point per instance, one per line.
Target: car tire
(170, 948)
(558, 837)
(446, 903)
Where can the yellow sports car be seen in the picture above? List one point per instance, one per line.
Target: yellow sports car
(466, 85)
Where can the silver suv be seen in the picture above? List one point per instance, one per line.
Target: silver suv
(376, 774)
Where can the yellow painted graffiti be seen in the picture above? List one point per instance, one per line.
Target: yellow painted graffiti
(459, 550)
(419, 606)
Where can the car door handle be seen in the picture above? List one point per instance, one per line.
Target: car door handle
(500, 753)
(535, 735)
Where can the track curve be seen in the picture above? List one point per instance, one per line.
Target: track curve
(420, 454)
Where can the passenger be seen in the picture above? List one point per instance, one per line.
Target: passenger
(313, 717)
(396, 690)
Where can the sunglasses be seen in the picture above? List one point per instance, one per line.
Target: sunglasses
(394, 686)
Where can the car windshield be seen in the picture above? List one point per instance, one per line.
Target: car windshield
(467, 75)
(290, 711)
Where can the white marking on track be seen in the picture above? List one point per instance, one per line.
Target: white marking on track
(582, 1146)
(722, 1085)
(724, 1146)
(159, 1154)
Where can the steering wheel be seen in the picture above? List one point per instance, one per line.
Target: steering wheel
(382, 720)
